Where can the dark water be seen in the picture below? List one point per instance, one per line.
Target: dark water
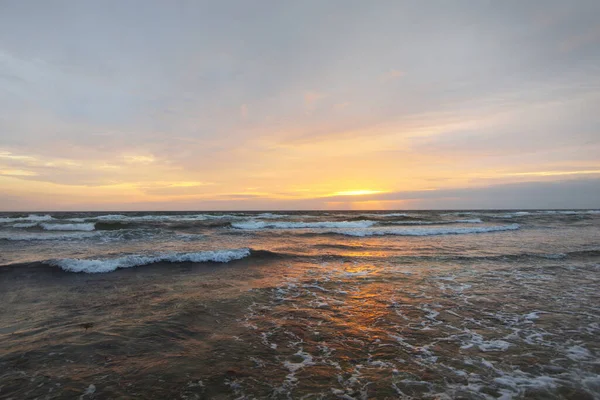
(349, 305)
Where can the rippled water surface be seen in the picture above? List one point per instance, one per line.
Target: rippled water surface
(314, 305)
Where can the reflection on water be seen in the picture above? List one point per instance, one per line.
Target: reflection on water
(288, 329)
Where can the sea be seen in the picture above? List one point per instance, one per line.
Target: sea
(494, 304)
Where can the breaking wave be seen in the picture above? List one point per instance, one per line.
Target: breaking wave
(69, 227)
(302, 225)
(95, 266)
(30, 217)
(422, 231)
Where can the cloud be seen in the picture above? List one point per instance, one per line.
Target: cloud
(311, 98)
(285, 95)
(17, 172)
(393, 74)
(557, 195)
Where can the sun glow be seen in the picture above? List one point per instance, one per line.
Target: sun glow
(356, 192)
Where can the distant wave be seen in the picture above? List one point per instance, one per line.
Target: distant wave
(302, 225)
(30, 217)
(254, 225)
(94, 266)
(181, 217)
(69, 227)
(568, 212)
(439, 222)
(270, 216)
(422, 231)
(517, 214)
(389, 215)
(155, 218)
(25, 225)
(35, 236)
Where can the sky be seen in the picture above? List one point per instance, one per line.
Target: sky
(312, 104)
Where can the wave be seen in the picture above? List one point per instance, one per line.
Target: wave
(302, 225)
(469, 221)
(570, 212)
(25, 225)
(95, 266)
(178, 217)
(389, 215)
(30, 217)
(517, 214)
(152, 218)
(111, 226)
(441, 222)
(271, 216)
(422, 231)
(69, 227)
(12, 236)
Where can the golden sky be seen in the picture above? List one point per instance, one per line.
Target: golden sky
(336, 105)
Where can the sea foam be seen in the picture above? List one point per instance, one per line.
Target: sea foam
(302, 225)
(423, 231)
(69, 227)
(95, 266)
(30, 217)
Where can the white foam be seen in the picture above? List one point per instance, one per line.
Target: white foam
(457, 221)
(271, 216)
(111, 264)
(387, 215)
(545, 212)
(156, 218)
(307, 360)
(177, 217)
(424, 231)
(571, 212)
(69, 227)
(89, 391)
(469, 221)
(30, 217)
(25, 225)
(442, 222)
(484, 345)
(578, 353)
(302, 225)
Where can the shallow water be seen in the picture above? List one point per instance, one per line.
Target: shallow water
(474, 305)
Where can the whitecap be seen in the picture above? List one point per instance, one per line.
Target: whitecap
(302, 225)
(423, 231)
(30, 217)
(69, 227)
(271, 216)
(94, 266)
(25, 225)
(167, 218)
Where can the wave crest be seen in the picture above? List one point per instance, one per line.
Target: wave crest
(424, 231)
(302, 225)
(69, 227)
(30, 217)
(95, 266)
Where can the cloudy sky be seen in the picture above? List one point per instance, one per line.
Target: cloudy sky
(220, 105)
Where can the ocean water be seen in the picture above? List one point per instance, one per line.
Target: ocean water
(315, 305)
